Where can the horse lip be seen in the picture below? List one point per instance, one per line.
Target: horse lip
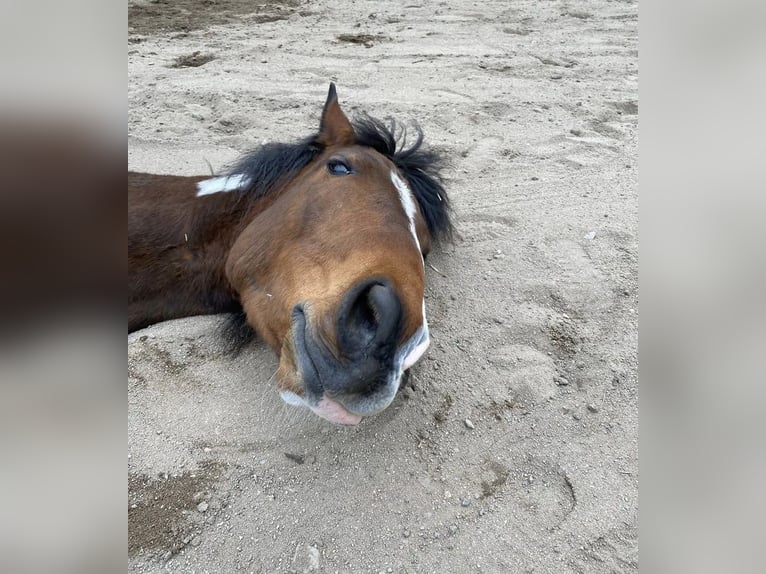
(378, 406)
(302, 355)
(317, 398)
(417, 351)
(320, 403)
(326, 408)
(335, 412)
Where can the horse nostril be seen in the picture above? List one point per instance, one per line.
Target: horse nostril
(387, 311)
(373, 316)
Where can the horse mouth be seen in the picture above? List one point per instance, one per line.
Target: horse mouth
(314, 396)
(319, 373)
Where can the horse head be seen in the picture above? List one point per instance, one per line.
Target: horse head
(330, 270)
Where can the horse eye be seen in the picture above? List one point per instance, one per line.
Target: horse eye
(337, 167)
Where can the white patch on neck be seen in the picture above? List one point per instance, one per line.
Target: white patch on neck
(405, 195)
(222, 184)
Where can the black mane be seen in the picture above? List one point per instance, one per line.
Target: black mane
(274, 163)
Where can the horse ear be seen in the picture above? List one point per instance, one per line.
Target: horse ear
(335, 129)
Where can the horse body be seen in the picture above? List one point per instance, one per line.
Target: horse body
(321, 244)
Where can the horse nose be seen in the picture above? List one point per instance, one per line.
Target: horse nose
(371, 318)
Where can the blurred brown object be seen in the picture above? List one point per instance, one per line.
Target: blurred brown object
(62, 218)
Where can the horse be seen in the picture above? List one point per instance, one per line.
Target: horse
(317, 247)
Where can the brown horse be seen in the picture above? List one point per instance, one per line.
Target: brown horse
(319, 246)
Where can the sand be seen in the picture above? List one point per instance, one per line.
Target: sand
(514, 446)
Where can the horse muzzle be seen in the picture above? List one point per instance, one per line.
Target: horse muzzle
(362, 375)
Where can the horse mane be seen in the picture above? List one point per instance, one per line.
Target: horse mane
(275, 163)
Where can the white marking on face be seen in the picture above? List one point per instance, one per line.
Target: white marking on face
(405, 195)
(421, 341)
(222, 184)
(421, 338)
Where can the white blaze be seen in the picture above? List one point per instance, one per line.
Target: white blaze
(405, 196)
(408, 203)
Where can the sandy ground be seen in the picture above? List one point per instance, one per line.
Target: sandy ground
(533, 311)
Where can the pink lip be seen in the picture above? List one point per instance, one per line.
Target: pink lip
(335, 412)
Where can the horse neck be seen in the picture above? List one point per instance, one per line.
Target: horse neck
(177, 253)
